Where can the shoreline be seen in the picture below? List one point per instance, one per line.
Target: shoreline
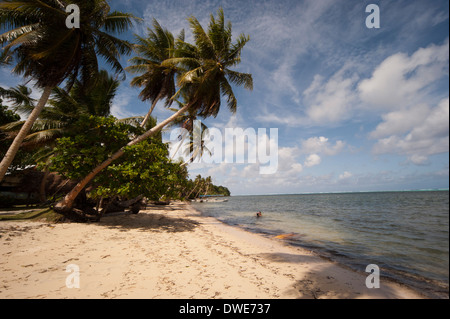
(427, 292)
(170, 252)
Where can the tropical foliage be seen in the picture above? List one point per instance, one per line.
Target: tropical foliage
(204, 186)
(109, 157)
(62, 110)
(204, 77)
(43, 49)
(145, 169)
(156, 80)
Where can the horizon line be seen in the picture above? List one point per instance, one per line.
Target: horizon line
(351, 192)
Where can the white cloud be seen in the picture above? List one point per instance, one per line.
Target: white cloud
(402, 87)
(288, 160)
(425, 136)
(402, 80)
(418, 159)
(345, 175)
(292, 162)
(287, 119)
(121, 106)
(278, 43)
(313, 160)
(331, 101)
(398, 122)
(400, 83)
(321, 145)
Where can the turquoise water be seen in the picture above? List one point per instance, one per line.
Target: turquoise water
(405, 233)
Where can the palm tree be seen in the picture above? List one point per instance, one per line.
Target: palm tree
(157, 80)
(48, 52)
(57, 119)
(207, 65)
(63, 108)
(195, 149)
(196, 183)
(205, 78)
(209, 184)
(20, 99)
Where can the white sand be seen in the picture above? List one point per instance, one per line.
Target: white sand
(169, 252)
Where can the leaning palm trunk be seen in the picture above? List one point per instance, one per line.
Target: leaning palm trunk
(147, 117)
(67, 203)
(12, 151)
(192, 191)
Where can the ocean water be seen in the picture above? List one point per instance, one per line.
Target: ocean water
(405, 233)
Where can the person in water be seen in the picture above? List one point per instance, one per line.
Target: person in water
(258, 214)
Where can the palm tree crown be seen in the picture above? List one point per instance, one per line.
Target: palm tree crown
(44, 49)
(156, 80)
(49, 52)
(63, 109)
(207, 76)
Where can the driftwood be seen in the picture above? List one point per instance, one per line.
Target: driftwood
(86, 211)
(130, 202)
(115, 205)
(136, 208)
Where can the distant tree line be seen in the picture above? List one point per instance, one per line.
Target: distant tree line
(204, 186)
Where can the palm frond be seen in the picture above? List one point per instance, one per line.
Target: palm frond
(240, 79)
(20, 98)
(119, 21)
(44, 49)
(202, 40)
(227, 91)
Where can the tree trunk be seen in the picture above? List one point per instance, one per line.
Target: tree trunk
(147, 117)
(192, 190)
(199, 191)
(42, 193)
(12, 151)
(66, 204)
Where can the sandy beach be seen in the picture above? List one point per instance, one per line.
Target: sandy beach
(168, 252)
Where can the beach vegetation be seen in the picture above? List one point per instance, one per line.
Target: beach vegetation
(191, 136)
(204, 186)
(56, 120)
(203, 75)
(62, 110)
(8, 116)
(43, 214)
(145, 169)
(44, 50)
(70, 130)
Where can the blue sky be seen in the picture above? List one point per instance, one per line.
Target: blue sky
(356, 109)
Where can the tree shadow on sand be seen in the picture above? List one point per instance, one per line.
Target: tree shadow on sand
(149, 222)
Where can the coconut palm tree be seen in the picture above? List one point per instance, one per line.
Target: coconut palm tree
(57, 119)
(156, 80)
(20, 99)
(195, 148)
(206, 77)
(63, 108)
(45, 50)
